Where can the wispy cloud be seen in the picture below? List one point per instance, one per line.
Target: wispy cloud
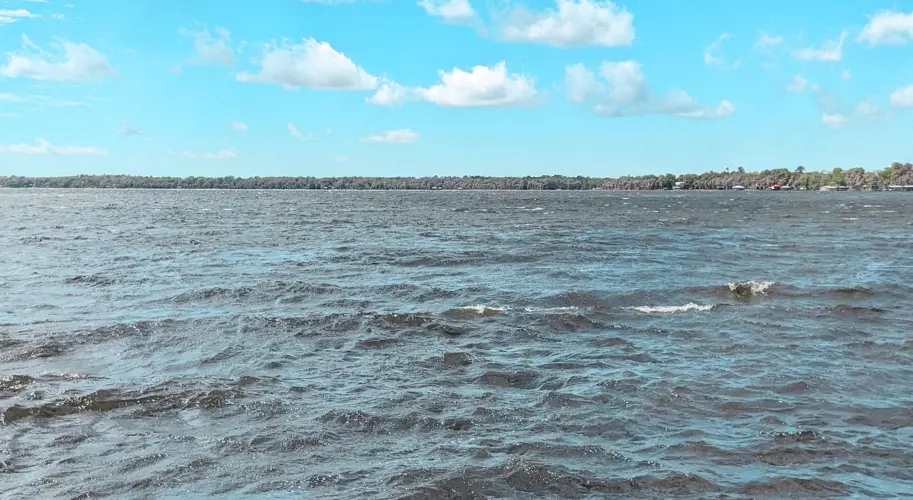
(829, 51)
(766, 40)
(798, 84)
(237, 126)
(78, 63)
(222, 154)
(209, 49)
(43, 147)
(127, 129)
(833, 120)
(9, 16)
(399, 136)
(710, 53)
(40, 100)
(293, 130)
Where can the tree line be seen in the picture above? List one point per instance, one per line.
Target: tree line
(854, 178)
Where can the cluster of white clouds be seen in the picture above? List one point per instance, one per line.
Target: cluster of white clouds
(623, 91)
(614, 89)
(884, 28)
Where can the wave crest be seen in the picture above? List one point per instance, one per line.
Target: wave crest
(689, 307)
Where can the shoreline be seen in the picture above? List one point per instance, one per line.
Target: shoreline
(897, 177)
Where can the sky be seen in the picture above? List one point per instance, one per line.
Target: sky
(452, 87)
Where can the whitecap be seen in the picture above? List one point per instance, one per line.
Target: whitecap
(755, 287)
(550, 309)
(483, 309)
(691, 306)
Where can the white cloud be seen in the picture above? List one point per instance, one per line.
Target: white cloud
(212, 50)
(623, 91)
(833, 120)
(451, 11)
(58, 17)
(573, 23)
(237, 126)
(710, 57)
(482, 86)
(310, 64)
(41, 100)
(765, 40)
(798, 84)
(830, 51)
(400, 136)
(79, 63)
(391, 93)
(721, 110)
(887, 28)
(293, 130)
(6, 97)
(327, 2)
(10, 115)
(902, 97)
(11, 16)
(38, 1)
(127, 129)
(43, 147)
(845, 74)
(866, 109)
(339, 159)
(222, 154)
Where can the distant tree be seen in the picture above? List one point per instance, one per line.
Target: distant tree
(800, 169)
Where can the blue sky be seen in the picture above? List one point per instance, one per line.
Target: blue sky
(455, 87)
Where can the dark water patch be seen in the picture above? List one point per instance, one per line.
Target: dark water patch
(857, 311)
(567, 322)
(382, 424)
(376, 343)
(891, 418)
(147, 403)
(282, 291)
(456, 359)
(518, 380)
(797, 387)
(42, 351)
(790, 486)
(580, 299)
(14, 383)
(531, 478)
(90, 281)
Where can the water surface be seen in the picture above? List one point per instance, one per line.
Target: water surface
(418, 345)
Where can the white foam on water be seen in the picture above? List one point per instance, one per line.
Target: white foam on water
(689, 307)
(757, 287)
(483, 309)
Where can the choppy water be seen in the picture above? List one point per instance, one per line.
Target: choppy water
(159, 344)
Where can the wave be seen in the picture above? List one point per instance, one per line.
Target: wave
(689, 307)
(750, 288)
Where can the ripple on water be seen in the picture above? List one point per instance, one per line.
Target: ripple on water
(452, 345)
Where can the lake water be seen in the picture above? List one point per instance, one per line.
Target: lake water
(374, 345)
